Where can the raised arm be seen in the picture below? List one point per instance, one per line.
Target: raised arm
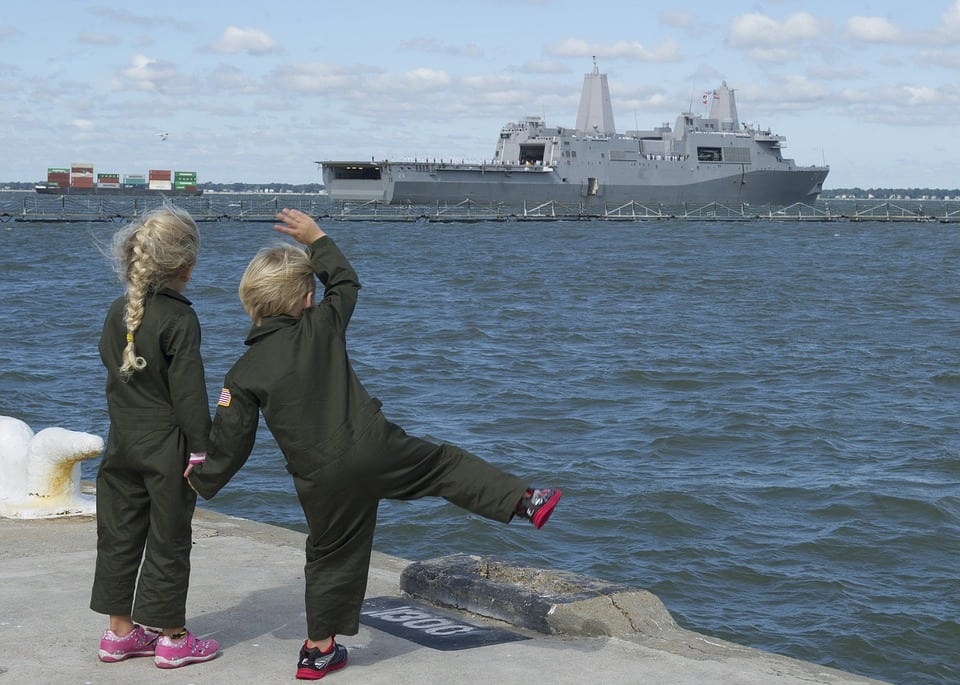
(299, 226)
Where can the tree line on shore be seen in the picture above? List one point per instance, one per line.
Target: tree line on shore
(890, 194)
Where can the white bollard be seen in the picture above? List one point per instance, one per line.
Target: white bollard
(40, 473)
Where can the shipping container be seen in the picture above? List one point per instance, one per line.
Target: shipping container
(81, 177)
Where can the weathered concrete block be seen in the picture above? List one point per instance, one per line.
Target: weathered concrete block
(551, 602)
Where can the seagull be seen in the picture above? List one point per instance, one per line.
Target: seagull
(163, 136)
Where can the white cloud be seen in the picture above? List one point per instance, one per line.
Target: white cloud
(148, 74)
(951, 17)
(873, 30)
(836, 72)
(416, 81)
(789, 91)
(949, 30)
(667, 51)
(310, 77)
(939, 58)
(125, 16)
(758, 30)
(921, 95)
(233, 79)
(251, 41)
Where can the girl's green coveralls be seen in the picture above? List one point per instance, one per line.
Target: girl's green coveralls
(144, 505)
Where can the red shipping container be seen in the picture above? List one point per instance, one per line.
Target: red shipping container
(160, 175)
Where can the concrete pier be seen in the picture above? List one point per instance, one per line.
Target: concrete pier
(455, 620)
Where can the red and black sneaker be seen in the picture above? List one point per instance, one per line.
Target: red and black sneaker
(537, 505)
(314, 664)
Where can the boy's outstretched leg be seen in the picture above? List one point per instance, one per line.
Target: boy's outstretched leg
(537, 505)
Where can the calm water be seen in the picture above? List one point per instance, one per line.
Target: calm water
(757, 422)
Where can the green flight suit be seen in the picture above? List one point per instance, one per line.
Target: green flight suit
(144, 505)
(343, 454)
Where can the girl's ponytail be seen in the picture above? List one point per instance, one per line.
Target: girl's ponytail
(150, 252)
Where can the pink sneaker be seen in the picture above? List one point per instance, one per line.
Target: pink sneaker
(187, 650)
(537, 505)
(138, 642)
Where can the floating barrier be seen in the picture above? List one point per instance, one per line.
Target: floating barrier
(264, 207)
(225, 207)
(822, 210)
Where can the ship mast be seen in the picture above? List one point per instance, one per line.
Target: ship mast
(595, 115)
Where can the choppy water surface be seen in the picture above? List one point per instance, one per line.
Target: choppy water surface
(755, 421)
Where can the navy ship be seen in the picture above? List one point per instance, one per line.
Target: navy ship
(700, 159)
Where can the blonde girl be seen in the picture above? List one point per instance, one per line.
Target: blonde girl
(159, 425)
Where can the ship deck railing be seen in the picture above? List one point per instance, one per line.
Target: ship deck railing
(263, 207)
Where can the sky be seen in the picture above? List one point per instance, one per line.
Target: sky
(256, 92)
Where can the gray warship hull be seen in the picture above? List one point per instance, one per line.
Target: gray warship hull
(700, 160)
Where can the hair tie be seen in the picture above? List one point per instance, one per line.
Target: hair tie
(129, 338)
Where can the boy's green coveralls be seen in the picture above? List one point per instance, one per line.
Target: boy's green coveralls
(343, 454)
(144, 506)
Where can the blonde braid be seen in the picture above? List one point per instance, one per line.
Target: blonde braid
(138, 281)
(149, 253)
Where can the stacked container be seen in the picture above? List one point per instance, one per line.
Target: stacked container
(81, 175)
(58, 178)
(159, 179)
(135, 181)
(185, 180)
(108, 180)
(79, 178)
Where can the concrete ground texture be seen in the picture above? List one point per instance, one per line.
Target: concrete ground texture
(453, 620)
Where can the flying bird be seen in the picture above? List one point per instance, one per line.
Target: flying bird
(163, 136)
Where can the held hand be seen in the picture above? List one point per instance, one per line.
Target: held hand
(196, 458)
(299, 226)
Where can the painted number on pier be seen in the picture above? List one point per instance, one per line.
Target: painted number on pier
(428, 627)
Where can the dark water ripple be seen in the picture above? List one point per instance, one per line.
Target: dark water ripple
(757, 422)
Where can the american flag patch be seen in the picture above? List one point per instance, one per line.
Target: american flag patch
(225, 398)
